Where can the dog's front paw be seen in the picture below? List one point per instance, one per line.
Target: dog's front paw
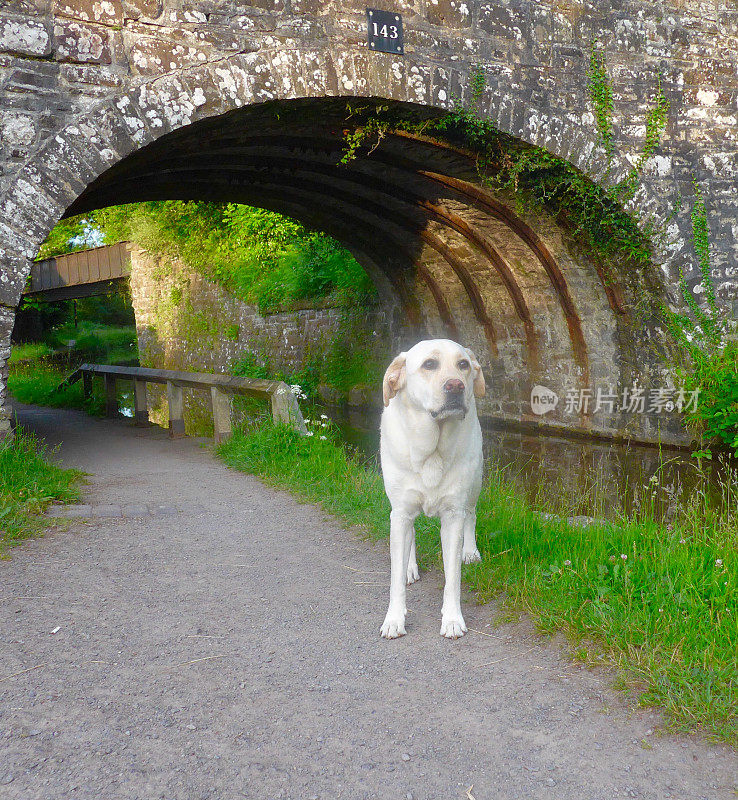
(453, 626)
(413, 574)
(393, 625)
(471, 556)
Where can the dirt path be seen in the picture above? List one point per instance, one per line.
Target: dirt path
(222, 641)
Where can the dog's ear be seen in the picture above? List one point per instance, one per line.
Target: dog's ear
(479, 386)
(394, 378)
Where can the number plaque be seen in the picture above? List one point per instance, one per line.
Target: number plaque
(384, 31)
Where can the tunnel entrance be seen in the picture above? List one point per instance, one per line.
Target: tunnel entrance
(449, 256)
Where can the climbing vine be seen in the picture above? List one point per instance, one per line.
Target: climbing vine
(706, 339)
(601, 96)
(656, 120)
(537, 179)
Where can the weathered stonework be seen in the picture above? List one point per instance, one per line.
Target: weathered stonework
(87, 85)
(185, 322)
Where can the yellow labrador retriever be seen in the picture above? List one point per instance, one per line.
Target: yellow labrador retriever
(431, 452)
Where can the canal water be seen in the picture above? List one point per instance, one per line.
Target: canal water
(578, 476)
(570, 476)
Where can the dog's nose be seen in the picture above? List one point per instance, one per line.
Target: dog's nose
(454, 386)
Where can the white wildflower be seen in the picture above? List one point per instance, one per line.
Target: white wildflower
(718, 562)
(623, 556)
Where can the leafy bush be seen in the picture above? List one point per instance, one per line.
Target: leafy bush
(252, 366)
(716, 376)
(96, 343)
(259, 256)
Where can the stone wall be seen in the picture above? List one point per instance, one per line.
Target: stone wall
(186, 322)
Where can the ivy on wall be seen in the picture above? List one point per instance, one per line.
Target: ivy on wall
(537, 179)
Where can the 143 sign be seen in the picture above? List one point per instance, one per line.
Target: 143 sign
(384, 31)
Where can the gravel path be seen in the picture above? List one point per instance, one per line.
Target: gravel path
(224, 643)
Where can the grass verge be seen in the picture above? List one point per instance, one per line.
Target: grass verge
(28, 483)
(658, 602)
(29, 352)
(38, 384)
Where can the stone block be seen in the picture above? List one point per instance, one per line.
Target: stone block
(454, 14)
(363, 395)
(101, 11)
(78, 42)
(18, 129)
(143, 9)
(28, 37)
(150, 56)
(13, 273)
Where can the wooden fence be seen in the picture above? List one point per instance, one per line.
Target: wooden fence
(222, 388)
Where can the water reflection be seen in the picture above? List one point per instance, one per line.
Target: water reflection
(571, 476)
(125, 404)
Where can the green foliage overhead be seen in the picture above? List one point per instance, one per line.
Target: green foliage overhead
(259, 256)
(68, 235)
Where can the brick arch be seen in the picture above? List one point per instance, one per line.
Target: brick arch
(94, 145)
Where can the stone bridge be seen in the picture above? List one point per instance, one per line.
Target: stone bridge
(113, 101)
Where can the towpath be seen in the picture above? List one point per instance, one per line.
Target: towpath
(217, 639)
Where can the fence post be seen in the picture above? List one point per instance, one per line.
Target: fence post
(87, 385)
(286, 409)
(222, 405)
(111, 399)
(140, 403)
(176, 411)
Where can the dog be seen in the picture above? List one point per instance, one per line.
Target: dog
(431, 455)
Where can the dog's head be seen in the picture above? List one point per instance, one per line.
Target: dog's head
(437, 375)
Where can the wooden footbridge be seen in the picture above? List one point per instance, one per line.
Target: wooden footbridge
(81, 274)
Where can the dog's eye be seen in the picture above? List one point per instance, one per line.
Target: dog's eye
(463, 364)
(430, 363)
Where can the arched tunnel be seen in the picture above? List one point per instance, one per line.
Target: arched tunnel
(450, 257)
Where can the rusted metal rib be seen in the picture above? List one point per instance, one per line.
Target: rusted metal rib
(531, 238)
(443, 310)
(472, 290)
(277, 167)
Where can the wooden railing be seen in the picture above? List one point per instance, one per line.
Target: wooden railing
(222, 388)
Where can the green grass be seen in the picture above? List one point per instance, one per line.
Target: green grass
(96, 342)
(28, 483)
(36, 384)
(29, 352)
(658, 602)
